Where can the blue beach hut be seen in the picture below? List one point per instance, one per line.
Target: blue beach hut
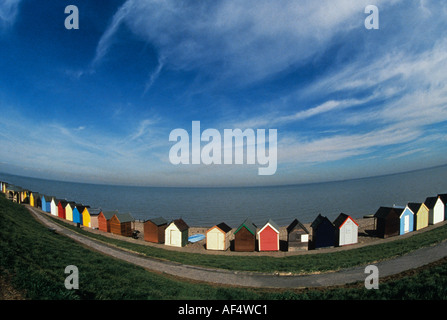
(77, 213)
(406, 220)
(46, 203)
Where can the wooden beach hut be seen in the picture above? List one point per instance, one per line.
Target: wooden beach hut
(346, 230)
(13, 193)
(46, 203)
(35, 200)
(121, 224)
(69, 210)
(218, 237)
(24, 196)
(104, 220)
(406, 220)
(154, 230)
(94, 214)
(176, 233)
(388, 221)
(323, 232)
(4, 185)
(53, 207)
(420, 211)
(61, 208)
(245, 236)
(90, 217)
(435, 209)
(77, 213)
(297, 236)
(268, 237)
(443, 198)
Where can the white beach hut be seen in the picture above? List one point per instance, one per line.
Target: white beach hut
(176, 234)
(435, 209)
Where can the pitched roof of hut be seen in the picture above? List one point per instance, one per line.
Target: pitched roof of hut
(109, 214)
(158, 221)
(272, 223)
(224, 227)
(296, 224)
(443, 197)
(94, 211)
(124, 217)
(180, 224)
(430, 202)
(250, 226)
(383, 212)
(318, 220)
(340, 220)
(414, 206)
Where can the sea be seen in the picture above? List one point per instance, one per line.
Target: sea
(205, 207)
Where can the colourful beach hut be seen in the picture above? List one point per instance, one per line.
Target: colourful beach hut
(121, 224)
(53, 207)
(90, 217)
(69, 210)
(268, 237)
(420, 211)
(35, 200)
(406, 220)
(13, 193)
(323, 232)
(104, 220)
(77, 213)
(245, 236)
(61, 208)
(443, 198)
(46, 203)
(297, 236)
(176, 233)
(388, 221)
(154, 230)
(435, 209)
(346, 230)
(218, 237)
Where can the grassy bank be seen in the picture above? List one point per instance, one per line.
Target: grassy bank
(295, 264)
(34, 259)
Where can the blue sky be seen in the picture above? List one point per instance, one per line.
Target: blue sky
(97, 104)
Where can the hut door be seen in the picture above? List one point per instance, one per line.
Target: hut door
(406, 223)
(173, 236)
(220, 241)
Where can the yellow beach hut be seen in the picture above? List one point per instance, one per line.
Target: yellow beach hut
(420, 214)
(69, 211)
(90, 217)
(31, 199)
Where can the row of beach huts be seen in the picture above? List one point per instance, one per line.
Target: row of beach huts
(389, 222)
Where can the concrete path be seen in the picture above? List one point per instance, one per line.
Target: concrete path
(415, 259)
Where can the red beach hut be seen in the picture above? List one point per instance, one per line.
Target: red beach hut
(61, 208)
(268, 237)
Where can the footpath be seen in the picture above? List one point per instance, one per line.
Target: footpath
(415, 259)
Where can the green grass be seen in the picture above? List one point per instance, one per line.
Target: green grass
(309, 263)
(36, 258)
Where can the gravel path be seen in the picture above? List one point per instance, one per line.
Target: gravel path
(412, 260)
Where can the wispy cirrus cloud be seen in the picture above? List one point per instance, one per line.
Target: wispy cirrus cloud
(8, 12)
(249, 40)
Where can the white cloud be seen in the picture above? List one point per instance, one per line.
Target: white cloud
(8, 11)
(295, 150)
(247, 40)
